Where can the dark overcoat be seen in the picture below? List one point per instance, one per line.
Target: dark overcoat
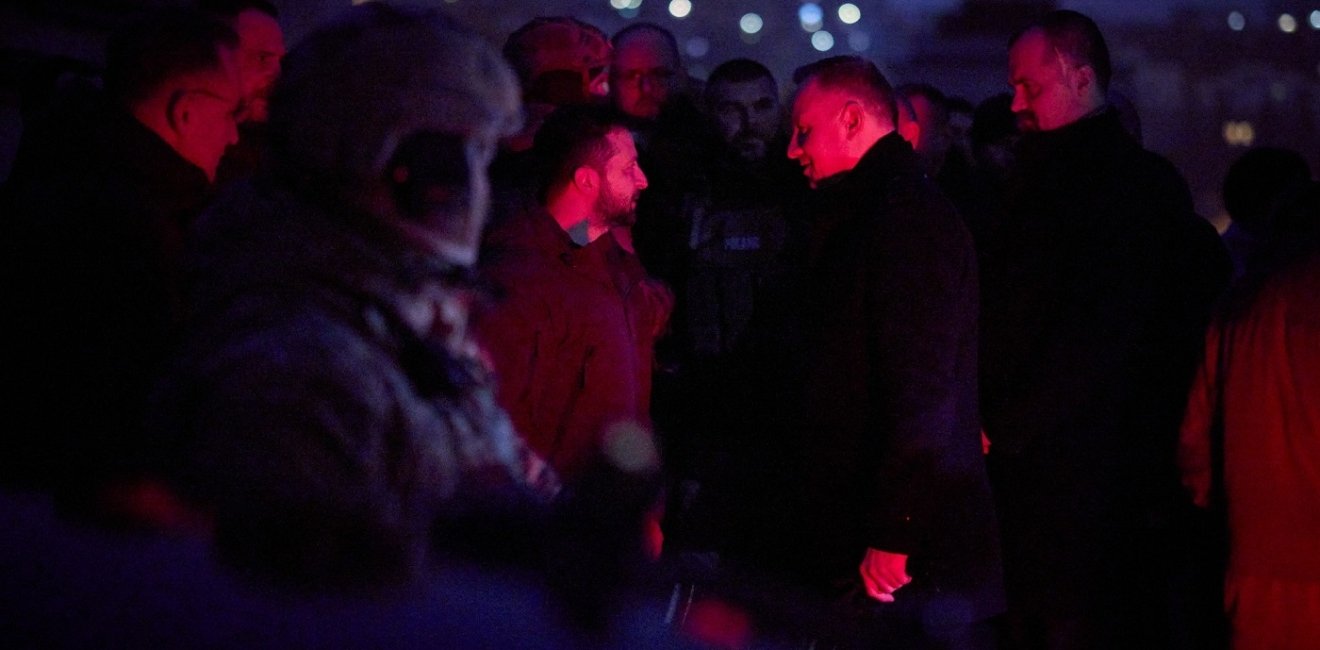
(890, 435)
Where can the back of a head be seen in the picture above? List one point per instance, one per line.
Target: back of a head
(1259, 181)
(357, 88)
(385, 81)
(856, 77)
(993, 121)
(559, 59)
(162, 47)
(571, 137)
(1077, 38)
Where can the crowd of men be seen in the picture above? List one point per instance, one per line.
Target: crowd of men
(426, 345)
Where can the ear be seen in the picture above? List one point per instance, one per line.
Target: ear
(586, 179)
(910, 131)
(178, 113)
(851, 117)
(1084, 80)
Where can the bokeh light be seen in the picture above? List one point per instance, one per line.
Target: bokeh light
(750, 23)
(823, 41)
(849, 13)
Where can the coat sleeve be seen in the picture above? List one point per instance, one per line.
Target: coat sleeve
(1195, 464)
(921, 315)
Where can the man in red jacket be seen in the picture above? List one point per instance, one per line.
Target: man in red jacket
(571, 339)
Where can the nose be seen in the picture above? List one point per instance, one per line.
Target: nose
(794, 151)
(640, 180)
(1019, 100)
(744, 120)
(646, 85)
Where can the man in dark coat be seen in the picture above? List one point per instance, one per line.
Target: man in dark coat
(95, 214)
(895, 482)
(571, 336)
(1097, 291)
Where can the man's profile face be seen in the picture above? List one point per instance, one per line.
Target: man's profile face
(643, 75)
(747, 116)
(260, 50)
(210, 106)
(1045, 96)
(819, 139)
(622, 182)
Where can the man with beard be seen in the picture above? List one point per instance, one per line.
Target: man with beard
(570, 339)
(743, 228)
(260, 51)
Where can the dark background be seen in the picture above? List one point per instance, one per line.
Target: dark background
(1204, 90)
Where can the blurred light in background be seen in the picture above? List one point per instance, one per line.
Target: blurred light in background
(859, 41)
(750, 23)
(1236, 21)
(822, 41)
(1239, 133)
(1287, 24)
(697, 47)
(849, 13)
(680, 8)
(811, 16)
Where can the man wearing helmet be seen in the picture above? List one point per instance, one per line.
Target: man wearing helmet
(329, 390)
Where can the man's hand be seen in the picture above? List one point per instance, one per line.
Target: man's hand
(883, 573)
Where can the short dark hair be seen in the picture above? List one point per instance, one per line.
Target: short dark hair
(668, 36)
(937, 100)
(1076, 37)
(1258, 182)
(571, 137)
(855, 76)
(739, 71)
(230, 9)
(161, 47)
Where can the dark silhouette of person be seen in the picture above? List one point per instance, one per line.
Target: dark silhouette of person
(96, 211)
(1096, 290)
(894, 500)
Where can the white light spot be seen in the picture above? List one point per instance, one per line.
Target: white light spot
(1315, 19)
(634, 4)
(680, 8)
(1236, 21)
(810, 14)
(697, 47)
(1239, 133)
(822, 41)
(750, 23)
(1287, 24)
(849, 13)
(859, 41)
(619, 4)
(811, 17)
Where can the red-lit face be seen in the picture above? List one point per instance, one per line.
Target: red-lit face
(260, 50)
(644, 73)
(820, 136)
(1048, 91)
(205, 117)
(622, 182)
